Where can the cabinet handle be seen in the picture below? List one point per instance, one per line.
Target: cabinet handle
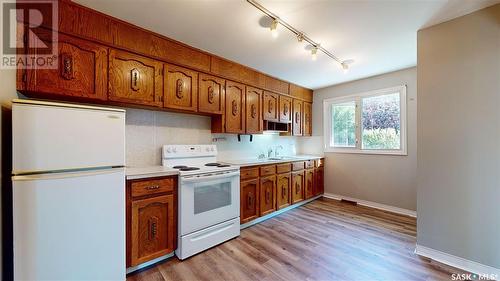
(270, 106)
(210, 95)
(285, 109)
(253, 110)
(297, 117)
(152, 187)
(134, 79)
(268, 197)
(306, 118)
(283, 192)
(153, 227)
(179, 89)
(234, 106)
(67, 66)
(249, 201)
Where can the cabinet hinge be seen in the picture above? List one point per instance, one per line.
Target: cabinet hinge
(25, 39)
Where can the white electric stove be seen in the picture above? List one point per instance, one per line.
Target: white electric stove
(209, 197)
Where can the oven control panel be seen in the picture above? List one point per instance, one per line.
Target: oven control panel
(188, 151)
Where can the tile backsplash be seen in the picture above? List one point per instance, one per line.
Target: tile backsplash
(147, 131)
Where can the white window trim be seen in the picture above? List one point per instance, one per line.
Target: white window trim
(327, 107)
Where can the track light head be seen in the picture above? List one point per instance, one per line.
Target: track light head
(274, 28)
(345, 65)
(300, 37)
(314, 53)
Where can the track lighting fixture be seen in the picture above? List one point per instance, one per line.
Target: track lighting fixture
(301, 37)
(314, 53)
(274, 28)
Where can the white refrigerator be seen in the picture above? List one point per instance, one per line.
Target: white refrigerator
(68, 191)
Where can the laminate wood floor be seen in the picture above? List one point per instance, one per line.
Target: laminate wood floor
(323, 240)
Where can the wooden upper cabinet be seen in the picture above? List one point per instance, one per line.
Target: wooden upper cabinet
(297, 186)
(134, 79)
(283, 184)
(253, 110)
(81, 69)
(285, 109)
(181, 88)
(267, 195)
(307, 120)
(211, 94)
(249, 200)
(235, 108)
(270, 107)
(152, 228)
(298, 109)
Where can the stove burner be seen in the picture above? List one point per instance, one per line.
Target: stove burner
(179, 167)
(212, 164)
(223, 165)
(189, 169)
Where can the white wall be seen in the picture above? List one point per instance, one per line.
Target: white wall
(459, 137)
(384, 179)
(147, 131)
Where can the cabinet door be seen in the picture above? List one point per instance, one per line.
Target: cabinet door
(307, 126)
(211, 94)
(270, 107)
(253, 110)
(235, 108)
(285, 109)
(181, 88)
(319, 184)
(309, 183)
(267, 195)
(134, 79)
(297, 117)
(81, 69)
(297, 186)
(283, 195)
(152, 228)
(249, 200)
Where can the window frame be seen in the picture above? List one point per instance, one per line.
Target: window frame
(357, 99)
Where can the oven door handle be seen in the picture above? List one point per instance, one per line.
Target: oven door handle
(212, 177)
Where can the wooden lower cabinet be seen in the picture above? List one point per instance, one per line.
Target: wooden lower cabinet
(319, 181)
(249, 200)
(267, 195)
(309, 183)
(297, 186)
(151, 219)
(283, 184)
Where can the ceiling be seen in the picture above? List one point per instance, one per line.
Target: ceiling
(380, 36)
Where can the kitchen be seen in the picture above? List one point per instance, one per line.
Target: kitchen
(196, 157)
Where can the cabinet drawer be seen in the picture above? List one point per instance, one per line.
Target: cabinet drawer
(283, 168)
(297, 166)
(155, 186)
(268, 170)
(249, 173)
(309, 164)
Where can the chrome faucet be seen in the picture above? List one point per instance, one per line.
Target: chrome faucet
(269, 152)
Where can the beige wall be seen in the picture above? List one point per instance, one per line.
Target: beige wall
(459, 137)
(384, 179)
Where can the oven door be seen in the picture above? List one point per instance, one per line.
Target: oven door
(206, 200)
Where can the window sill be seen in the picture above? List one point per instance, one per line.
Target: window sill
(368, 152)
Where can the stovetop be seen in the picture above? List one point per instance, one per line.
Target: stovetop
(194, 159)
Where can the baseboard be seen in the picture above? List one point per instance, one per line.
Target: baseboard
(148, 263)
(458, 262)
(375, 205)
(273, 214)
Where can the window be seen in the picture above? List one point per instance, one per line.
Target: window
(373, 122)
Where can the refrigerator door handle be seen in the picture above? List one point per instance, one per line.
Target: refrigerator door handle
(63, 175)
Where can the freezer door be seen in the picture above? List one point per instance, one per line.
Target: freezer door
(70, 226)
(47, 137)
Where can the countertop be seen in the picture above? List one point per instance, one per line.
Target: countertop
(255, 162)
(132, 173)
